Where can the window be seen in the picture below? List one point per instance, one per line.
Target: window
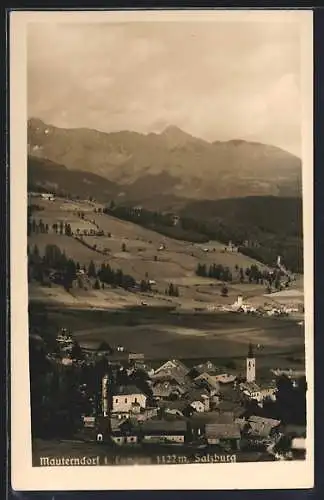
(135, 400)
(116, 400)
(99, 437)
(125, 400)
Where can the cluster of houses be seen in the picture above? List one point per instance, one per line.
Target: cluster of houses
(42, 196)
(282, 304)
(199, 407)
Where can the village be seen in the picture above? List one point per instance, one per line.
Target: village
(178, 409)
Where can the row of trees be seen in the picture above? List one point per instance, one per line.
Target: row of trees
(39, 227)
(105, 274)
(218, 272)
(251, 274)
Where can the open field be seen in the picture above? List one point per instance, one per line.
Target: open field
(157, 332)
(142, 259)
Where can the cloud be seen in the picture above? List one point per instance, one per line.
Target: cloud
(218, 82)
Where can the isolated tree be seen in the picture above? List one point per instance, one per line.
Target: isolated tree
(96, 285)
(143, 286)
(92, 270)
(68, 230)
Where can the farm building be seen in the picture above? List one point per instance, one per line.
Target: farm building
(164, 431)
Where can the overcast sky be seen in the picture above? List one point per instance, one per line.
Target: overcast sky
(217, 81)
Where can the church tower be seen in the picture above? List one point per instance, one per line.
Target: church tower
(105, 396)
(250, 365)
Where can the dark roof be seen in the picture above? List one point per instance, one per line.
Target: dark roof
(263, 420)
(164, 389)
(164, 426)
(179, 404)
(250, 386)
(208, 379)
(125, 390)
(170, 375)
(223, 431)
(197, 395)
(230, 406)
(257, 429)
(212, 417)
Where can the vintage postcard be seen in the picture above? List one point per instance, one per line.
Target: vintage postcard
(161, 181)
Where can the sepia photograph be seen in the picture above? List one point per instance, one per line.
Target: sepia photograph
(161, 179)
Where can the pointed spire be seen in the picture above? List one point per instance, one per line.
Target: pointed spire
(250, 353)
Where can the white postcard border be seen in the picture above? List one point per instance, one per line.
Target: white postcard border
(278, 475)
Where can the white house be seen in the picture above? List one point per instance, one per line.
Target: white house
(48, 196)
(128, 399)
(202, 404)
(231, 248)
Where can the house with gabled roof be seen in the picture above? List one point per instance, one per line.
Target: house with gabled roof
(262, 428)
(164, 431)
(166, 390)
(251, 390)
(208, 381)
(207, 367)
(199, 399)
(226, 435)
(173, 365)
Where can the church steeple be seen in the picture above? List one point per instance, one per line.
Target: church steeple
(250, 353)
(250, 365)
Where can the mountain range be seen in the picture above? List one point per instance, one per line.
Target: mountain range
(157, 170)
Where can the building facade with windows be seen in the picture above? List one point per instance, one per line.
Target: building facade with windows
(128, 399)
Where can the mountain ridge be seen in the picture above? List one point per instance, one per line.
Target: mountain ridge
(197, 168)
